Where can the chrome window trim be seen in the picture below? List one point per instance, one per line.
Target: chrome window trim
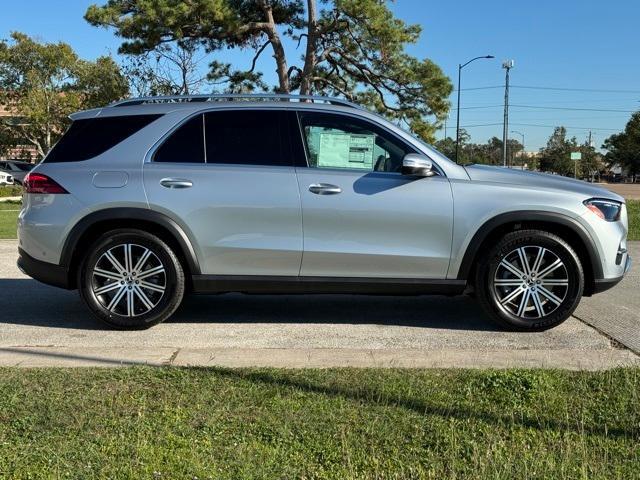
(148, 157)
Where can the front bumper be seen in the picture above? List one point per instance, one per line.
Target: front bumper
(44, 272)
(601, 285)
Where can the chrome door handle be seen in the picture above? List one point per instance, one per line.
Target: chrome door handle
(176, 183)
(324, 189)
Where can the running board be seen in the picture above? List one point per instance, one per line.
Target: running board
(255, 284)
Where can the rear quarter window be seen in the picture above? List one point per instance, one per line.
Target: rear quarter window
(91, 137)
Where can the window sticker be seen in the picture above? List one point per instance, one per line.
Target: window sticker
(344, 150)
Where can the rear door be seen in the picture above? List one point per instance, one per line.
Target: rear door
(362, 217)
(227, 177)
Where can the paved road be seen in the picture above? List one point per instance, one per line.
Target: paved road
(41, 325)
(617, 311)
(627, 190)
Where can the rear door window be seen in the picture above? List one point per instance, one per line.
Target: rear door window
(185, 144)
(247, 137)
(91, 137)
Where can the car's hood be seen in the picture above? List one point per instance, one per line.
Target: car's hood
(491, 173)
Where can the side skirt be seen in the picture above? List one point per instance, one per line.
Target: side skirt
(347, 285)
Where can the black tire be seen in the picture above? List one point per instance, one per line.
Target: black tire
(534, 304)
(161, 292)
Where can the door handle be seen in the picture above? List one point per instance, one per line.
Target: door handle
(324, 189)
(176, 183)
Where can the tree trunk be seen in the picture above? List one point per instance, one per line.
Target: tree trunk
(310, 54)
(278, 50)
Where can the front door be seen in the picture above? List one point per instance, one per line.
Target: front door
(361, 216)
(227, 178)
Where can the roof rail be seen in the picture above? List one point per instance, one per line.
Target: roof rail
(233, 96)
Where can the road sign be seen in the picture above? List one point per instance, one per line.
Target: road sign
(576, 155)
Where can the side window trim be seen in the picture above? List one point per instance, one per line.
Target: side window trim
(204, 136)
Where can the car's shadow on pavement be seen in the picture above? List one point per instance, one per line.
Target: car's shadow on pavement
(27, 302)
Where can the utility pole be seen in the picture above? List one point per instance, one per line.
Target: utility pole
(507, 65)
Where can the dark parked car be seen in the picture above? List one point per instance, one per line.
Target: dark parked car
(16, 168)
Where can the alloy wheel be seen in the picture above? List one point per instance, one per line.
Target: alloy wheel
(129, 280)
(530, 282)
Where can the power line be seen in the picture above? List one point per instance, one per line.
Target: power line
(563, 89)
(478, 88)
(541, 107)
(480, 125)
(565, 126)
(575, 109)
(540, 126)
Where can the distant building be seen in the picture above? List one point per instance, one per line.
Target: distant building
(21, 152)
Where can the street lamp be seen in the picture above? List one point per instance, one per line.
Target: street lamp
(460, 67)
(522, 135)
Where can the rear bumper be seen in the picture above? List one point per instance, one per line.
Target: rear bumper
(44, 272)
(601, 285)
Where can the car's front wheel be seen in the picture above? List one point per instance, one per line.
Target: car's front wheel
(131, 279)
(531, 280)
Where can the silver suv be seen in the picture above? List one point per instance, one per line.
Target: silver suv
(149, 198)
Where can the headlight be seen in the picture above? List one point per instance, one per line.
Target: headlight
(606, 209)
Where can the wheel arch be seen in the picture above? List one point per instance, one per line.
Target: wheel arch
(89, 228)
(564, 226)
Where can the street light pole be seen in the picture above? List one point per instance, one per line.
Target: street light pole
(507, 65)
(460, 67)
(522, 135)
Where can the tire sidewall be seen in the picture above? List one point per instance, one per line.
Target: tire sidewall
(540, 239)
(173, 273)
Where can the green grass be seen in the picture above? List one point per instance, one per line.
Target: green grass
(633, 211)
(343, 423)
(8, 218)
(10, 191)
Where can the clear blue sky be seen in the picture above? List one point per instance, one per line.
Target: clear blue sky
(574, 44)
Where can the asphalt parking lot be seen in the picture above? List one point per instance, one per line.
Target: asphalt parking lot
(42, 326)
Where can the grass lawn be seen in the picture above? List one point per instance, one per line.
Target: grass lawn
(10, 191)
(8, 218)
(633, 210)
(139, 422)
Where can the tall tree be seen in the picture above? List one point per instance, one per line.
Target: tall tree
(556, 155)
(42, 83)
(169, 69)
(624, 148)
(352, 48)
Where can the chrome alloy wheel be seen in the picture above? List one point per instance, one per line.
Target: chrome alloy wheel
(129, 280)
(531, 282)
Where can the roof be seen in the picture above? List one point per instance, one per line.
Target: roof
(166, 104)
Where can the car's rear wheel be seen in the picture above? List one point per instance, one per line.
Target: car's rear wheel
(531, 280)
(131, 279)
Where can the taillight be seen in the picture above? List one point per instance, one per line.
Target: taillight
(39, 183)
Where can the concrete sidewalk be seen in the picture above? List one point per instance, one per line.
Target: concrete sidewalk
(44, 326)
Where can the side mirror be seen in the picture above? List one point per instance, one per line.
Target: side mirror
(418, 165)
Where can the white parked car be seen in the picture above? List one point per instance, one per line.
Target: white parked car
(6, 179)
